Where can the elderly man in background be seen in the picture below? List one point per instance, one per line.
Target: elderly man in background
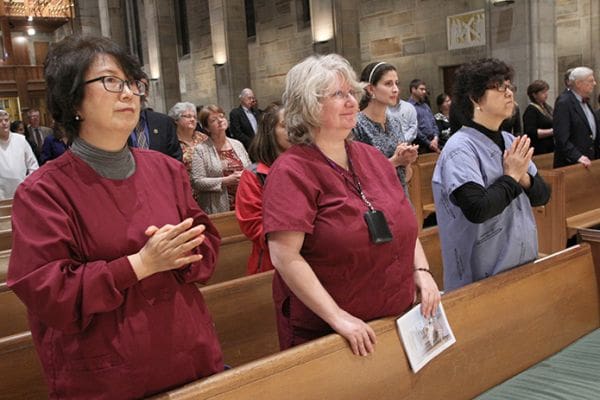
(576, 128)
(36, 132)
(16, 158)
(243, 120)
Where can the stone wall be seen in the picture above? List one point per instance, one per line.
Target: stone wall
(540, 38)
(577, 36)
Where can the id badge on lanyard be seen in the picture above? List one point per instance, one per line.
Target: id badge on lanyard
(379, 230)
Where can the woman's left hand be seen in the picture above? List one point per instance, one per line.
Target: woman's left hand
(430, 294)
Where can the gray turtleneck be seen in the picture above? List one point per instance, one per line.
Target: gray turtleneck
(109, 164)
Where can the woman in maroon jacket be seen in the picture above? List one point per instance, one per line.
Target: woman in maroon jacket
(109, 243)
(271, 140)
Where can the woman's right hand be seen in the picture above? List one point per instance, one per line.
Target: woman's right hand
(517, 158)
(232, 179)
(168, 247)
(357, 332)
(404, 155)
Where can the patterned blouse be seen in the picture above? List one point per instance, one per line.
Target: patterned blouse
(385, 139)
(188, 151)
(231, 163)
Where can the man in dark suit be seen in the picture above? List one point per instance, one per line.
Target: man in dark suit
(576, 128)
(35, 132)
(243, 120)
(159, 133)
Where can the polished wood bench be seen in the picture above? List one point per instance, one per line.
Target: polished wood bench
(5, 210)
(242, 311)
(544, 161)
(5, 223)
(503, 325)
(5, 239)
(419, 187)
(575, 204)
(226, 223)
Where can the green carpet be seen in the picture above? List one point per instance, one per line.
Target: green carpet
(573, 373)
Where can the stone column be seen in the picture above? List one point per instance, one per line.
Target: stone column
(230, 50)
(542, 34)
(347, 31)
(510, 41)
(162, 66)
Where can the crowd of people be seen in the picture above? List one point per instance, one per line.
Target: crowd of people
(318, 183)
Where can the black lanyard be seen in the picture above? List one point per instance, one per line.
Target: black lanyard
(355, 182)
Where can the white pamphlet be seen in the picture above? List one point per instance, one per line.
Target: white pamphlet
(424, 338)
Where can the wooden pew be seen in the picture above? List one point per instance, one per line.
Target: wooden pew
(226, 223)
(5, 223)
(5, 210)
(20, 369)
(503, 325)
(11, 306)
(242, 311)
(544, 161)
(6, 202)
(574, 204)
(233, 259)
(419, 188)
(4, 257)
(5, 239)
(430, 239)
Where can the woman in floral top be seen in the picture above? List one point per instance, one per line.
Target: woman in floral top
(185, 117)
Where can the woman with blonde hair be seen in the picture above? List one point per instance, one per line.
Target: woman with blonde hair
(343, 238)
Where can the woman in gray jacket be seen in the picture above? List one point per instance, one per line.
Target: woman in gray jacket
(217, 163)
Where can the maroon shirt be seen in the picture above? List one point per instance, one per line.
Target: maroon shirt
(99, 332)
(304, 193)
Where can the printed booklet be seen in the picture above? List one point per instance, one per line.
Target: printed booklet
(424, 338)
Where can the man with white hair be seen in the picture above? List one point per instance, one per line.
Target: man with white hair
(16, 158)
(243, 120)
(576, 128)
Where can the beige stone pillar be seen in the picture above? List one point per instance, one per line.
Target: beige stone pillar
(542, 39)
(347, 31)
(161, 65)
(230, 50)
(510, 41)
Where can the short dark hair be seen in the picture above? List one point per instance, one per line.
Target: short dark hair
(263, 147)
(439, 100)
(415, 83)
(471, 81)
(536, 87)
(372, 74)
(15, 124)
(65, 68)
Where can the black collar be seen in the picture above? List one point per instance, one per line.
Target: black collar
(495, 136)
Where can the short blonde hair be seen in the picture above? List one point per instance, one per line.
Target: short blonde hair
(306, 85)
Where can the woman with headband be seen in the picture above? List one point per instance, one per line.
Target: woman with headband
(379, 128)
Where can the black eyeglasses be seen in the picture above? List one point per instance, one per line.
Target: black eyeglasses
(503, 86)
(115, 85)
